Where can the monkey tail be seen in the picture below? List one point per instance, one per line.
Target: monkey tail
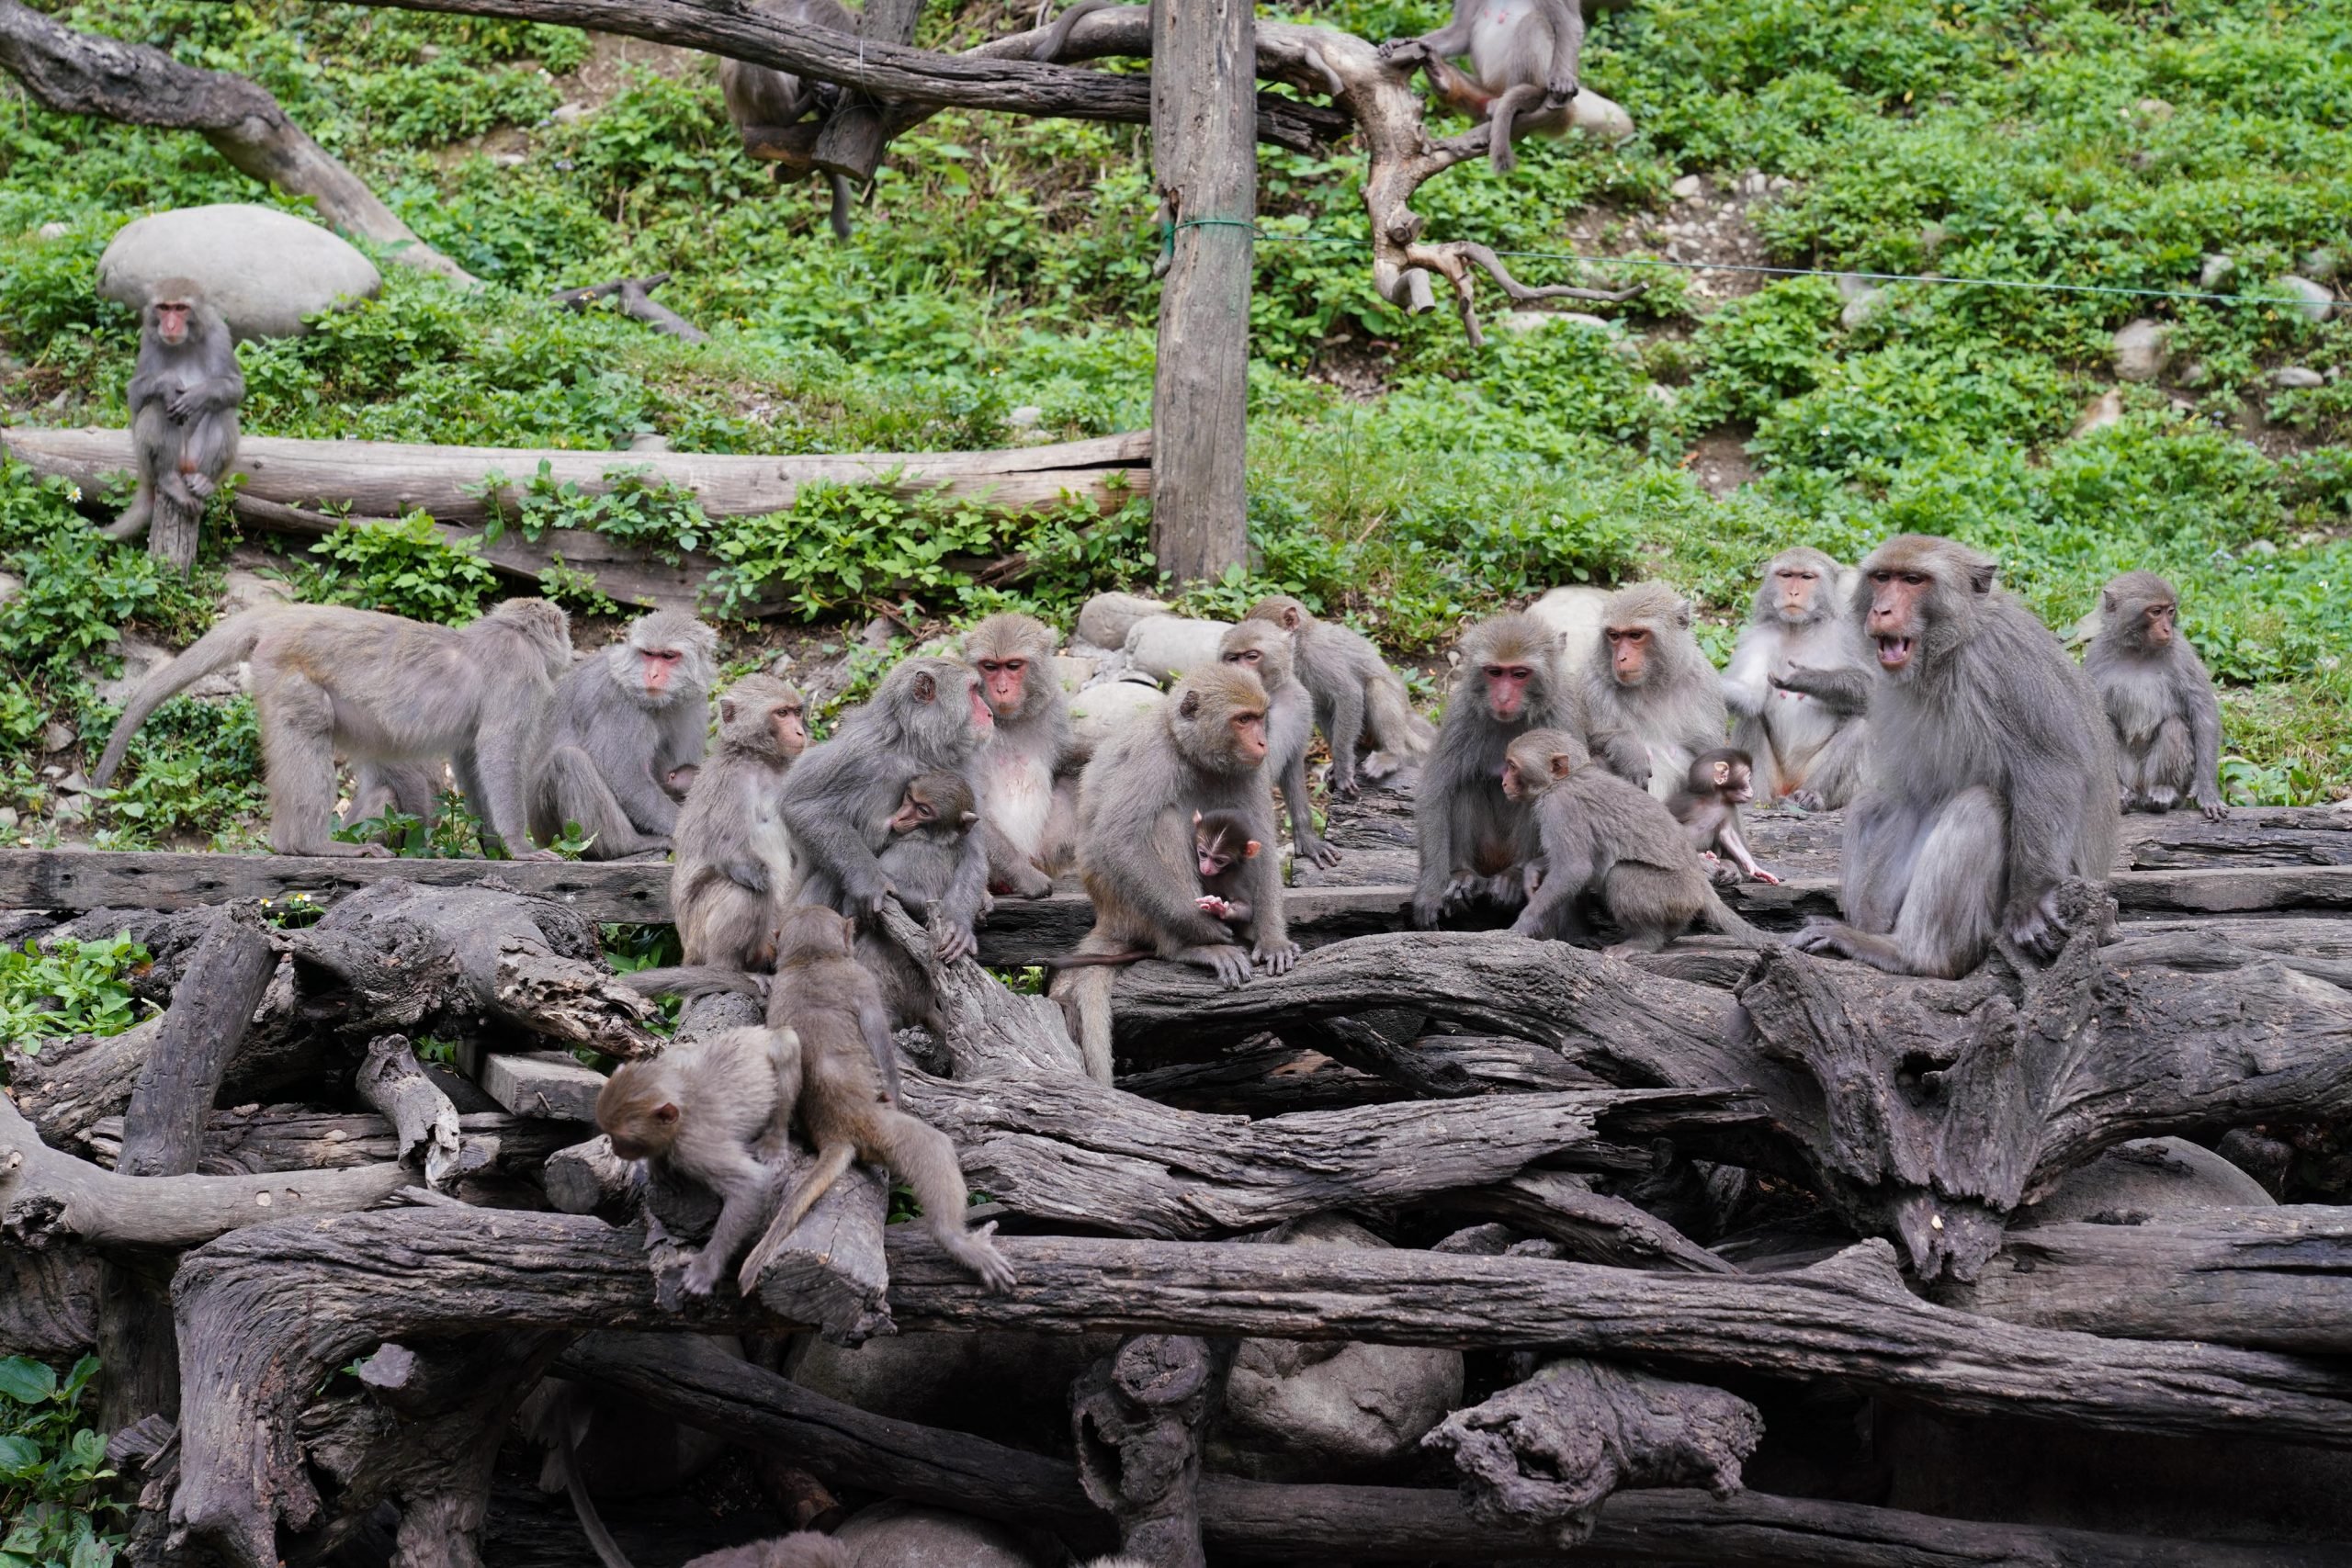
(1056, 39)
(591, 1523)
(840, 216)
(1394, 724)
(1719, 915)
(224, 645)
(691, 981)
(1085, 999)
(1089, 960)
(831, 1160)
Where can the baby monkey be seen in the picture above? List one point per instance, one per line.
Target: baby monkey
(1707, 805)
(718, 1111)
(1222, 850)
(831, 1006)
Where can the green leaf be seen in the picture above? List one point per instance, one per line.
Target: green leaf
(19, 1454)
(24, 1378)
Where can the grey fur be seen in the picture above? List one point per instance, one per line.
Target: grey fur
(1027, 774)
(2159, 700)
(1356, 694)
(1799, 687)
(1526, 61)
(609, 745)
(1265, 652)
(733, 875)
(761, 98)
(1673, 711)
(183, 400)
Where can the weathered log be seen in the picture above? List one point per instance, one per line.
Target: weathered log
(551, 1084)
(1137, 1416)
(391, 1080)
(253, 1139)
(1262, 1078)
(828, 1270)
(1593, 1227)
(1546, 1453)
(49, 1301)
(634, 296)
(850, 141)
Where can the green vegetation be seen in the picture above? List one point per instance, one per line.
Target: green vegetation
(54, 1508)
(1399, 476)
(70, 988)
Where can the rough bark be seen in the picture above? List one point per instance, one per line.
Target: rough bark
(1137, 1416)
(634, 297)
(75, 72)
(851, 141)
(391, 1080)
(251, 1139)
(828, 1269)
(1591, 1227)
(49, 1301)
(211, 1007)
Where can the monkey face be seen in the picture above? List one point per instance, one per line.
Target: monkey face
(1628, 654)
(1515, 784)
(1506, 690)
(1249, 659)
(655, 666)
(1003, 680)
(2156, 622)
(1249, 733)
(914, 812)
(172, 320)
(1797, 584)
(1895, 622)
(791, 734)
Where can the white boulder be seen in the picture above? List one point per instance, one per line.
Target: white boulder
(263, 269)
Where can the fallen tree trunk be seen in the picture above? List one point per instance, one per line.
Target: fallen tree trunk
(260, 1139)
(633, 296)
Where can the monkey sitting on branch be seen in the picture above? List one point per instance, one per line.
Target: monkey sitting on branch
(183, 393)
(926, 835)
(1223, 848)
(620, 726)
(1798, 684)
(1523, 59)
(734, 858)
(1708, 807)
(2158, 697)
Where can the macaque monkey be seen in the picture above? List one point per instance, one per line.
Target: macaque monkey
(850, 1108)
(926, 846)
(183, 393)
(762, 102)
(620, 725)
(1604, 837)
(2159, 700)
(733, 870)
(1203, 750)
(718, 1111)
(377, 688)
(928, 716)
(680, 780)
(802, 1549)
(1221, 850)
(1473, 838)
(1991, 776)
(413, 789)
(1799, 686)
(1708, 807)
(1523, 59)
(1356, 694)
(1028, 771)
(1654, 687)
(1261, 647)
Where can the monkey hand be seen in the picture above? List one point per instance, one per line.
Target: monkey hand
(2209, 803)
(1346, 783)
(868, 896)
(1757, 874)
(1825, 937)
(1277, 956)
(1526, 925)
(2034, 927)
(183, 403)
(977, 1252)
(1559, 91)
(1806, 800)
(1427, 910)
(1214, 907)
(954, 942)
(1404, 53)
(533, 852)
(702, 1274)
(1230, 964)
(1320, 852)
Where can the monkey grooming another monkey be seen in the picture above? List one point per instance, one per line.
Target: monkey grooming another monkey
(185, 388)
(830, 1004)
(2158, 697)
(1799, 683)
(718, 1111)
(1204, 749)
(1027, 779)
(926, 846)
(1523, 59)
(619, 726)
(1992, 771)
(762, 101)
(734, 857)
(1601, 835)
(927, 715)
(1221, 850)
(1708, 807)
(1654, 687)
(1261, 647)
(377, 688)
(1356, 694)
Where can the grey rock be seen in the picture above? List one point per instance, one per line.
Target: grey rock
(1105, 619)
(1575, 613)
(2148, 1178)
(1164, 646)
(10, 586)
(903, 1535)
(649, 441)
(2100, 412)
(1852, 286)
(1103, 710)
(1933, 237)
(1754, 182)
(1073, 670)
(508, 159)
(2297, 378)
(8, 817)
(2218, 270)
(53, 230)
(1863, 310)
(56, 736)
(1028, 416)
(2310, 300)
(264, 269)
(2325, 263)
(1537, 320)
(2143, 350)
(2194, 374)
(1687, 189)
(566, 114)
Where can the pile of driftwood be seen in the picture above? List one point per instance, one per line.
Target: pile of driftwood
(1695, 1223)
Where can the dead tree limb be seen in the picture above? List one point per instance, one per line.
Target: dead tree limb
(86, 73)
(1137, 1416)
(634, 299)
(253, 1140)
(392, 1081)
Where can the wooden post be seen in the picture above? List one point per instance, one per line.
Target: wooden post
(853, 140)
(1204, 83)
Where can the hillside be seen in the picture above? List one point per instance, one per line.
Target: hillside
(999, 283)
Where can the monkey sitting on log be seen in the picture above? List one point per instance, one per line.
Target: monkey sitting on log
(718, 1111)
(926, 836)
(1601, 836)
(1523, 59)
(1798, 684)
(2158, 697)
(184, 389)
(377, 688)
(762, 101)
(1222, 849)
(1357, 696)
(1027, 781)
(1708, 807)
(1262, 650)
(1652, 701)
(734, 858)
(619, 726)
(850, 1108)
(1992, 774)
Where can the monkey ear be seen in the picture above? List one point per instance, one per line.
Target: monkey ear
(1249, 850)
(1562, 764)
(1291, 617)
(1190, 706)
(968, 818)
(926, 686)
(665, 1114)
(1196, 819)
(1980, 577)
(1682, 613)
(727, 710)
(2106, 603)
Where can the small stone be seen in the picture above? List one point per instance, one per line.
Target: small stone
(2195, 374)
(2154, 109)
(76, 783)
(428, 52)
(2143, 350)
(2325, 263)
(2218, 270)
(1780, 183)
(2102, 411)
(1754, 182)
(2312, 300)
(8, 817)
(1687, 189)
(1852, 286)
(2262, 547)
(1661, 394)
(1863, 310)
(71, 808)
(1933, 237)
(566, 114)
(56, 736)
(507, 160)
(10, 586)
(878, 632)
(2297, 378)
(53, 230)
(649, 441)
(1028, 416)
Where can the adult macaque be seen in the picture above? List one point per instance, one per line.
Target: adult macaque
(1652, 702)
(1222, 850)
(762, 101)
(1356, 694)
(1473, 838)
(1261, 647)
(1524, 59)
(1027, 778)
(928, 716)
(718, 1111)
(1203, 750)
(1798, 684)
(1991, 777)
(803, 1549)
(851, 1107)
(377, 688)
(925, 849)
(184, 389)
(1603, 835)
(734, 865)
(1708, 807)
(2159, 700)
(620, 725)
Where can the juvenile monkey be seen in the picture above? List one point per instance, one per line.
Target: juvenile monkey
(2159, 700)
(762, 102)
(1523, 60)
(734, 858)
(1653, 686)
(718, 1111)
(1708, 807)
(925, 846)
(1473, 838)
(1991, 776)
(1799, 686)
(1222, 849)
(1261, 647)
(619, 726)
(1027, 777)
(184, 389)
(1603, 835)
(377, 688)
(1356, 694)
(831, 1004)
